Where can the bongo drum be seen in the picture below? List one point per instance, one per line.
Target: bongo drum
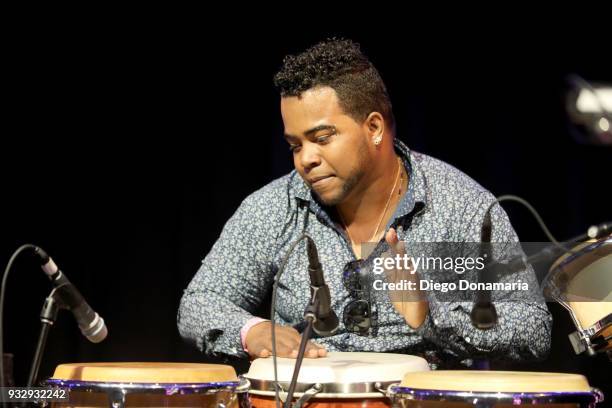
(337, 380)
(488, 389)
(581, 281)
(149, 385)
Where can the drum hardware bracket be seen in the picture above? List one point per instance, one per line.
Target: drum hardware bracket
(240, 392)
(379, 387)
(581, 339)
(282, 393)
(244, 385)
(116, 398)
(312, 391)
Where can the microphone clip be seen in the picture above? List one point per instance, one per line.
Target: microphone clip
(312, 309)
(51, 307)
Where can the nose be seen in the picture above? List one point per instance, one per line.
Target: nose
(309, 156)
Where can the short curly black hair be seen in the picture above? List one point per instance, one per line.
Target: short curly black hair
(339, 64)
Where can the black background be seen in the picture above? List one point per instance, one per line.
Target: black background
(126, 150)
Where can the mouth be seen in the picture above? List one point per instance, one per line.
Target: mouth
(318, 181)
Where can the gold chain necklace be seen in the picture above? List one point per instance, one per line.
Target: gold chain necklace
(399, 171)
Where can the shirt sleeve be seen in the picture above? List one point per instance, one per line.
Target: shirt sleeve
(231, 282)
(524, 324)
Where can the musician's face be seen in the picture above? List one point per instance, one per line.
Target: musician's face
(330, 149)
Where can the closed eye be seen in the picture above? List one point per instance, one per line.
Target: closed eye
(323, 139)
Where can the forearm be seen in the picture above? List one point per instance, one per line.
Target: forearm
(212, 323)
(522, 331)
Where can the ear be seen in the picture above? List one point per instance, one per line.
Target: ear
(375, 127)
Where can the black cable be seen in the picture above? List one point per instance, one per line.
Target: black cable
(510, 197)
(484, 314)
(298, 361)
(273, 311)
(9, 265)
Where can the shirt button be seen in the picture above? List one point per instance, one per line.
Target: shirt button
(435, 321)
(467, 339)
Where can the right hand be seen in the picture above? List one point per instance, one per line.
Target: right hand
(259, 342)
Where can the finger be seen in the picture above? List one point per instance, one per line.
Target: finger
(318, 349)
(295, 345)
(285, 352)
(288, 346)
(394, 242)
(312, 351)
(391, 237)
(283, 347)
(317, 345)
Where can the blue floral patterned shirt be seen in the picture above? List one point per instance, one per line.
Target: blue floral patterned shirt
(442, 204)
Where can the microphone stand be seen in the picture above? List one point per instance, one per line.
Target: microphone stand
(310, 314)
(319, 293)
(484, 314)
(48, 315)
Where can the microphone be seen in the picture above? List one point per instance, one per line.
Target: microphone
(91, 324)
(484, 314)
(327, 321)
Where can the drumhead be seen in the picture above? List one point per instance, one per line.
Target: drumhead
(339, 367)
(582, 280)
(145, 373)
(583, 275)
(347, 375)
(496, 381)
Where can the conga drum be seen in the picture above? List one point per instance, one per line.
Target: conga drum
(337, 380)
(581, 281)
(149, 385)
(493, 389)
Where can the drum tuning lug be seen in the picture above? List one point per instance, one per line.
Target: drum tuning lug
(599, 396)
(117, 399)
(244, 385)
(311, 392)
(282, 394)
(379, 387)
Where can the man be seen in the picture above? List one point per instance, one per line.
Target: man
(353, 183)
